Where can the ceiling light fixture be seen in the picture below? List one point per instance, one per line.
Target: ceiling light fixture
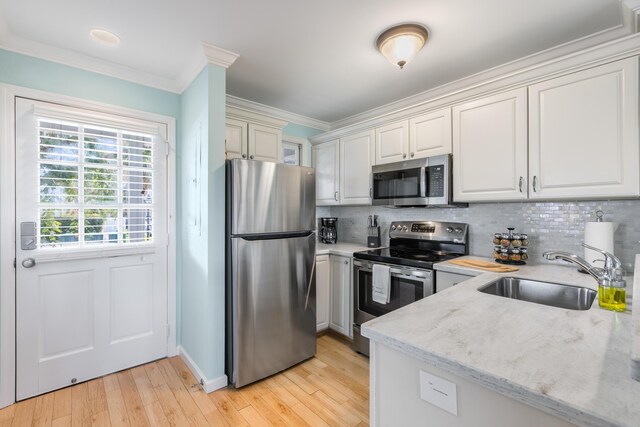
(399, 44)
(105, 37)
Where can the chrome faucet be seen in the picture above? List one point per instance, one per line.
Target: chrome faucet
(611, 275)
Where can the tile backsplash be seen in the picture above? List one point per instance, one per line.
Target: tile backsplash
(550, 225)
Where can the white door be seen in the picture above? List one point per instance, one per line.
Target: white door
(91, 227)
(430, 134)
(265, 143)
(356, 158)
(340, 320)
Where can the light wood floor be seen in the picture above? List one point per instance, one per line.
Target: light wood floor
(331, 389)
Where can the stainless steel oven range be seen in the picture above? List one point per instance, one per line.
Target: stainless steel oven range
(414, 246)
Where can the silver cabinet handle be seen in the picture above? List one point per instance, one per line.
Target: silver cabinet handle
(28, 262)
(251, 157)
(335, 196)
(413, 154)
(404, 155)
(244, 156)
(535, 183)
(521, 183)
(370, 192)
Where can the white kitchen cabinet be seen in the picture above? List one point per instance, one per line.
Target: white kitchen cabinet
(340, 313)
(343, 170)
(445, 280)
(326, 161)
(583, 134)
(392, 142)
(430, 134)
(323, 291)
(253, 141)
(356, 158)
(490, 148)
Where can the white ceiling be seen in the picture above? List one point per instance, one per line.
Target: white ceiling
(316, 59)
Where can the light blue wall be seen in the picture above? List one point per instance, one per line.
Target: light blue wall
(202, 251)
(294, 129)
(27, 71)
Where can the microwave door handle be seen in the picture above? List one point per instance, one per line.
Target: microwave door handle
(424, 177)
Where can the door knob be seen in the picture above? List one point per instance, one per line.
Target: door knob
(28, 262)
(251, 157)
(244, 156)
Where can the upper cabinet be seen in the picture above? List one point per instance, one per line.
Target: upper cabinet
(490, 148)
(343, 170)
(425, 135)
(577, 139)
(326, 161)
(583, 134)
(253, 136)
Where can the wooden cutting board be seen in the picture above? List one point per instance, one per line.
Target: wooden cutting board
(484, 265)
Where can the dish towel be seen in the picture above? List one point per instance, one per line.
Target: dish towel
(381, 283)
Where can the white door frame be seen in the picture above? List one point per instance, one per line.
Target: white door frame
(8, 93)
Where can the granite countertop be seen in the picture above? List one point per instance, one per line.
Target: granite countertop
(340, 248)
(635, 321)
(572, 364)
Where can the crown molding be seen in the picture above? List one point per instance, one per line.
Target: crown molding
(85, 62)
(492, 74)
(467, 89)
(218, 56)
(255, 117)
(244, 104)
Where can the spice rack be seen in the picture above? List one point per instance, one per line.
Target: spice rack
(511, 248)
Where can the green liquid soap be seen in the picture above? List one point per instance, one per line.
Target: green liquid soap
(612, 298)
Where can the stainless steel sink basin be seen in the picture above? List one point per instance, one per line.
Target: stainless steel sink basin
(553, 294)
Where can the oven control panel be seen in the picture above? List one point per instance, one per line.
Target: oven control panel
(455, 232)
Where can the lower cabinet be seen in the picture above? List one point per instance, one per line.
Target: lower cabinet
(340, 313)
(445, 280)
(323, 291)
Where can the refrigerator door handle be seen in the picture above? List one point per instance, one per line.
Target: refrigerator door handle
(313, 269)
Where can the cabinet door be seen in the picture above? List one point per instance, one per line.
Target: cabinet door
(356, 158)
(265, 143)
(490, 148)
(392, 142)
(326, 160)
(235, 139)
(430, 134)
(583, 135)
(323, 291)
(445, 280)
(340, 319)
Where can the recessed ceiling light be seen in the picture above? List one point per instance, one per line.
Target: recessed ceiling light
(105, 37)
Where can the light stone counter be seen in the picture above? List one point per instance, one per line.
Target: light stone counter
(572, 364)
(340, 248)
(635, 349)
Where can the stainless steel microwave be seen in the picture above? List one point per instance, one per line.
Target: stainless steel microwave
(419, 182)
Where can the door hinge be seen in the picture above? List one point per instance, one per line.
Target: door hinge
(168, 239)
(166, 144)
(168, 331)
(15, 263)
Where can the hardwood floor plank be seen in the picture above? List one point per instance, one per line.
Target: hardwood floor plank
(80, 409)
(229, 412)
(155, 414)
(309, 416)
(97, 397)
(343, 413)
(283, 410)
(64, 421)
(255, 399)
(24, 413)
(154, 374)
(43, 413)
(237, 398)
(62, 403)
(215, 419)
(253, 418)
(198, 421)
(115, 403)
(300, 382)
(144, 386)
(170, 406)
(101, 419)
(132, 400)
(190, 384)
(7, 413)
(183, 397)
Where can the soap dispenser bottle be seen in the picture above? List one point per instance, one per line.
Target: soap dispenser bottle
(612, 293)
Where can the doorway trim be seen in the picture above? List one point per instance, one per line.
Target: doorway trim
(8, 93)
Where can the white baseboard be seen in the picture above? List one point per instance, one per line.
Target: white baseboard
(208, 385)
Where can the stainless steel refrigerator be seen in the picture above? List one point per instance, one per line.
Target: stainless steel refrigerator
(270, 263)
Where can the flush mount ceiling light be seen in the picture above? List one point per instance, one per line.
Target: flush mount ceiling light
(105, 37)
(399, 44)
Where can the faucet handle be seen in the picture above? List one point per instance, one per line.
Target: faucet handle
(611, 261)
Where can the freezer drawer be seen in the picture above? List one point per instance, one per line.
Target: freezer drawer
(273, 303)
(265, 197)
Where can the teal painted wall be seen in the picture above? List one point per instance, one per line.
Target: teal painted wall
(201, 284)
(294, 129)
(27, 71)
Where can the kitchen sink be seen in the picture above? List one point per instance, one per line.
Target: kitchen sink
(553, 294)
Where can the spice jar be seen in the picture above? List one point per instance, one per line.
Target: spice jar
(515, 255)
(496, 252)
(504, 254)
(496, 238)
(525, 239)
(516, 242)
(523, 254)
(505, 242)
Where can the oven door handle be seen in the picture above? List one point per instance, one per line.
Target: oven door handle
(424, 181)
(399, 272)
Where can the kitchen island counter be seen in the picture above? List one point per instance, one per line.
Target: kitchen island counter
(574, 365)
(340, 248)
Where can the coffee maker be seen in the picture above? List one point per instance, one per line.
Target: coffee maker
(328, 230)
